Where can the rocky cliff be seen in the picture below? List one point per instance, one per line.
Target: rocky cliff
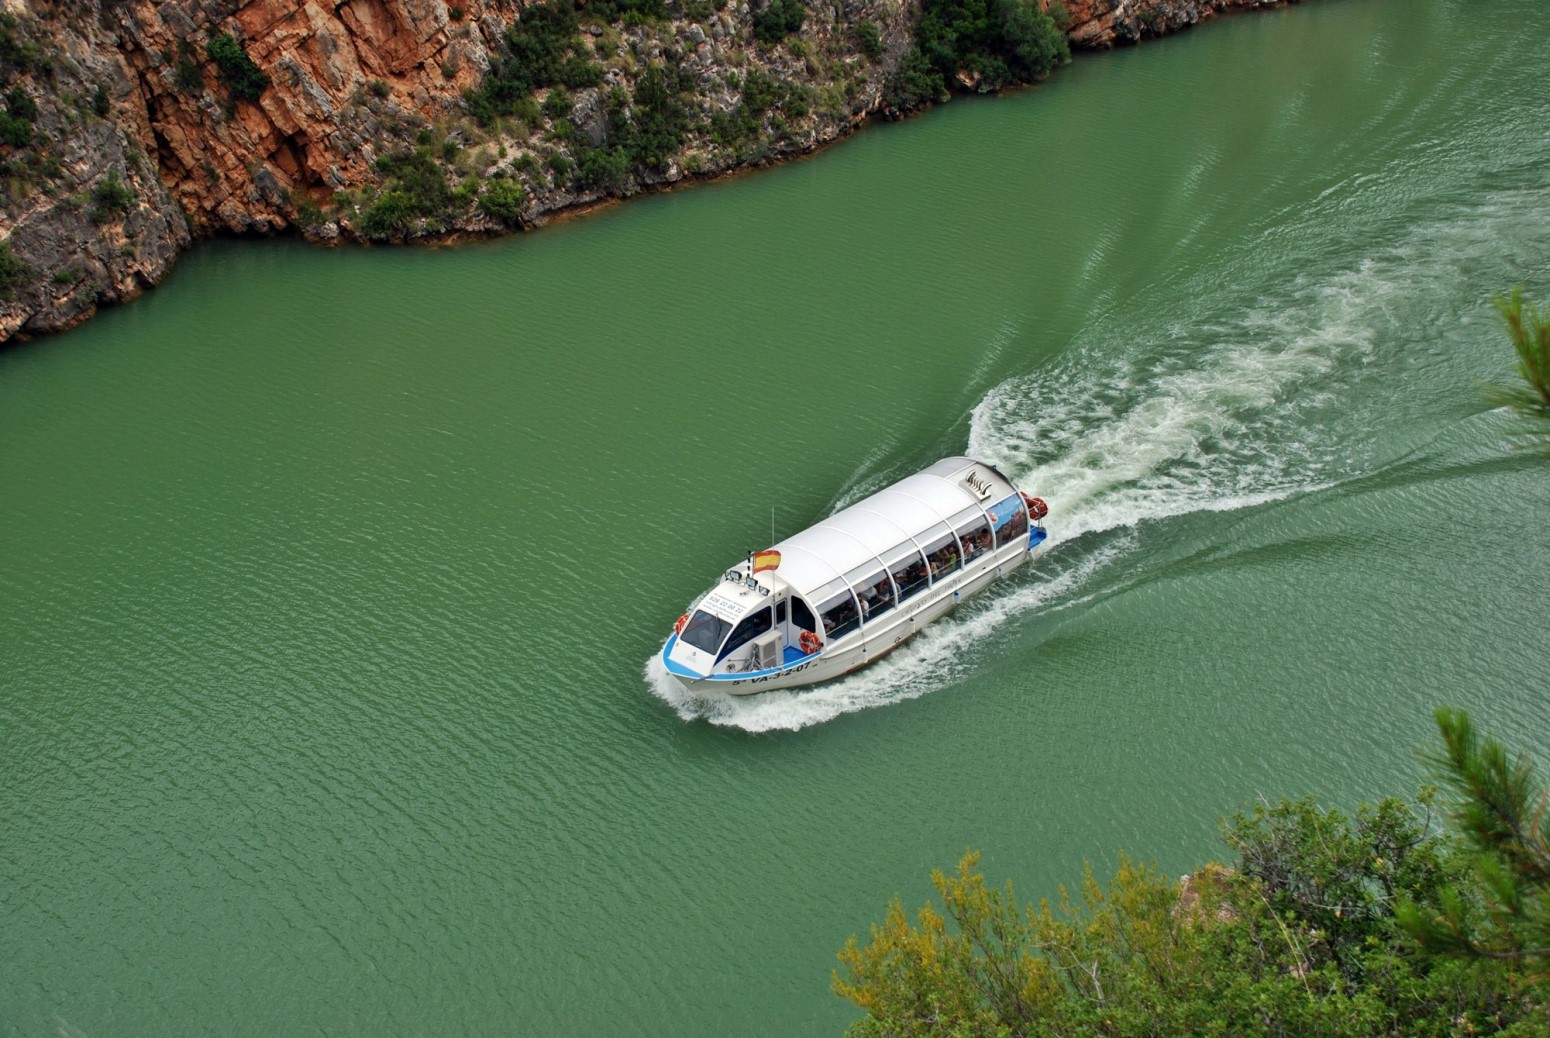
(133, 126)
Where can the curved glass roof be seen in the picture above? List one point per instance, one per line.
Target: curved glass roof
(876, 526)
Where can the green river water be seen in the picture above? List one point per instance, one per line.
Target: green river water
(329, 579)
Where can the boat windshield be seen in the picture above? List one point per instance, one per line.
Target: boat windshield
(704, 631)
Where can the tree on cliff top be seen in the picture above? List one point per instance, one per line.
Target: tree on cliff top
(1309, 936)
(1503, 813)
(993, 43)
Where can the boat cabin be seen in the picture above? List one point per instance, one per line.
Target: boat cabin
(856, 571)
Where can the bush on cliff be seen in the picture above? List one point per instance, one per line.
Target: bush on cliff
(417, 193)
(17, 53)
(502, 201)
(993, 43)
(110, 198)
(778, 19)
(13, 271)
(243, 78)
(542, 50)
(1310, 935)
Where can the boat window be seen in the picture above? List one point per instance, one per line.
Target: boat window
(1010, 519)
(942, 555)
(840, 615)
(873, 588)
(910, 574)
(973, 533)
(704, 631)
(802, 615)
(747, 629)
(780, 612)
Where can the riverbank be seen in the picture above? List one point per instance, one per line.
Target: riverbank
(132, 132)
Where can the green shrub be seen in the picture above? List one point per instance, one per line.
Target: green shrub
(914, 84)
(243, 79)
(869, 40)
(17, 54)
(658, 117)
(605, 168)
(502, 200)
(15, 132)
(20, 106)
(379, 89)
(417, 190)
(778, 19)
(541, 51)
(100, 103)
(187, 76)
(393, 214)
(12, 270)
(557, 105)
(110, 197)
(1001, 41)
(631, 12)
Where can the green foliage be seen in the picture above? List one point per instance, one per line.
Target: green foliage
(644, 131)
(110, 198)
(607, 168)
(557, 105)
(1529, 331)
(101, 105)
(542, 50)
(996, 42)
(502, 200)
(19, 105)
(762, 94)
(243, 79)
(15, 132)
(778, 19)
(13, 272)
(187, 76)
(914, 84)
(1500, 809)
(17, 53)
(631, 12)
(1304, 938)
(658, 117)
(417, 194)
(16, 123)
(869, 40)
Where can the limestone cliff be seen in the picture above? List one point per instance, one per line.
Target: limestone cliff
(133, 126)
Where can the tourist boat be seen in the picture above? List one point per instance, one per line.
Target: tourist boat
(859, 584)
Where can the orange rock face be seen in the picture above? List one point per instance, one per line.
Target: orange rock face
(313, 131)
(164, 152)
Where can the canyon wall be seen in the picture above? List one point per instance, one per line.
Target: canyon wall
(132, 127)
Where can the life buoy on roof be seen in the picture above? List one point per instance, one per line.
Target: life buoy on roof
(678, 625)
(1037, 509)
(809, 642)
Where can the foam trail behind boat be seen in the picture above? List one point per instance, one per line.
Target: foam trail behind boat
(1170, 408)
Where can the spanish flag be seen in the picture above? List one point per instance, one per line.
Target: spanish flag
(765, 560)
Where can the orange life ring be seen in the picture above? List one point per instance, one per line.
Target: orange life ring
(678, 626)
(810, 643)
(1037, 509)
